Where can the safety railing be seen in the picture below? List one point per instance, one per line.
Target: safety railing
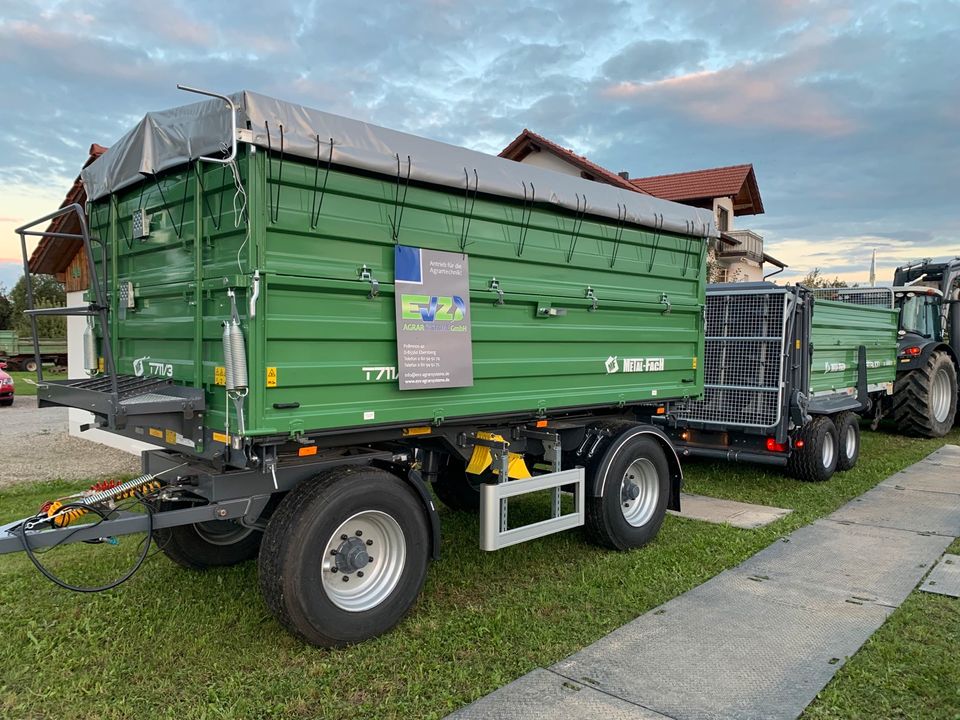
(99, 308)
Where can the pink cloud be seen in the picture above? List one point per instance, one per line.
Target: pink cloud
(769, 94)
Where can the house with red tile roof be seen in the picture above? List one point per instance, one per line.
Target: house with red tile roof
(729, 191)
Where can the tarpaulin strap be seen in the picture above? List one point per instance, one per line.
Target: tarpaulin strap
(482, 458)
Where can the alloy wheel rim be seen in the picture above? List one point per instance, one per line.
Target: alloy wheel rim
(829, 450)
(222, 532)
(851, 443)
(363, 561)
(940, 395)
(639, 492)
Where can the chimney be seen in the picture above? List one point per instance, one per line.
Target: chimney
(624, 174)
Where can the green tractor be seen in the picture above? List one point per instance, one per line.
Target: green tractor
(924, 401)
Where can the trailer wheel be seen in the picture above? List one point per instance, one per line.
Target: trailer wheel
(455, 488)
(848, 434)
(30, 366)
(344, 556)
(631, 506)
(925, 399)
(815, 460)
(215, 543)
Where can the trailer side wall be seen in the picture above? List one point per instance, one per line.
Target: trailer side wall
(316, 331)
(838, 329)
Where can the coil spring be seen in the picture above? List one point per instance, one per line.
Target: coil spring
(235, 356)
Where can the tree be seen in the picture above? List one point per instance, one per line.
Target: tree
(816, 279)
(6, 309)
(47, 292)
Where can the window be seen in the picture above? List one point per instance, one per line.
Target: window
(723, 219)
(918, 314)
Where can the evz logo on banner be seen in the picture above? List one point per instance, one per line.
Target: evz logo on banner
(433, 319)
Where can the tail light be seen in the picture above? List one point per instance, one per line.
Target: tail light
(774, 446)
(911, 351)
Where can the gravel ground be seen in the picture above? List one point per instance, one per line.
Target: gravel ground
(35, 445)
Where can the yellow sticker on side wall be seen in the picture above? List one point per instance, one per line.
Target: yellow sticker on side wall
(271, 377)
(219, 375)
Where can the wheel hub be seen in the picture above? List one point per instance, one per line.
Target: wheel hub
(351, 555)
(363, 561)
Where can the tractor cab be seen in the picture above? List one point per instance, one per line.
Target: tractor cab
(921, 313)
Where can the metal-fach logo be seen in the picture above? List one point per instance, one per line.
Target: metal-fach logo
(433, 308)
(141, 367)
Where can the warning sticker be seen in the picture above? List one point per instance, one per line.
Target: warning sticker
(219, 376)
(271, 377)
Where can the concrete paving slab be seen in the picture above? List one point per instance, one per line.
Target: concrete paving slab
(926, 477)
(730, 648)
(860, 562)
(948, 456)
(890, 507)
(544, 695)
(944, 579)
(731, 512)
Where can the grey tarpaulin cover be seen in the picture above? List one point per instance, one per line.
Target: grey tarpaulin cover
(169, 138)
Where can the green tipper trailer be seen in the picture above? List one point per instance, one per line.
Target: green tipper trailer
(18, 352)
(318, 319)
(787, 378)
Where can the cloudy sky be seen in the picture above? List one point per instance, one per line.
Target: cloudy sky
(849, 111)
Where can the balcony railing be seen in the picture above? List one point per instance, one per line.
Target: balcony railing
(750, 245)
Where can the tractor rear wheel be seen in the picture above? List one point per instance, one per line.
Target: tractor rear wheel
(925, 399)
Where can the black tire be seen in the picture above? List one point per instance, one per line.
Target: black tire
(295, 552)
(629, 456)
(816, 459)
(916, 408)
(6, 403)
(848, 437)
(30, 365)
(455, 488)
(217, 543)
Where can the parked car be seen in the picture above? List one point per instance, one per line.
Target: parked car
(6, 386)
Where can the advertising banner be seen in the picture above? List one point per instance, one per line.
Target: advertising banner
(433, 319)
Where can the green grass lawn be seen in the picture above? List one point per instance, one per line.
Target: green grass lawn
(25, 382)
(178, 644)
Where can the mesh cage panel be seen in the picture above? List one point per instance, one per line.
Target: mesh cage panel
(872, 297)
(743, 363)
